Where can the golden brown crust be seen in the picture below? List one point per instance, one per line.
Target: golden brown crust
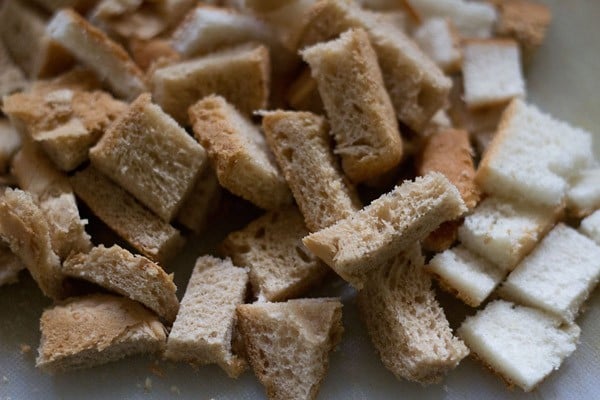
(443, 237)
(524, 20)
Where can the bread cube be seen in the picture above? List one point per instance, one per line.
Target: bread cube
(201, 202)
(590, 227)
(438, 38)
(583, 195)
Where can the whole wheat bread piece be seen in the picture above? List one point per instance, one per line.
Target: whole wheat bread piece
(97, 51)
(303, 94)
(25, 228)
(23, 31)
(143, 230)
(240, 74)
(416, 85)
(12, 78)
(288, 344)
(280, 267)
(201, 202)
(10, 265)
(405, 322)
(10, 143)
(302, 147)
(239, 153)
(205, 326)
(129, 275)
(361, 113)
(83, 332)
(390, 224)
(151, 157)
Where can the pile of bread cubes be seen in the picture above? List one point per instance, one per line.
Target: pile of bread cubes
(389, 144)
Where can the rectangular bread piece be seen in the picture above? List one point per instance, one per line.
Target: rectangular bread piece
(138, 226)
(302, 146)
(390, 224)
(204, 328)
(151, 157)
(201, 202)
(590, 226)
(405, 322)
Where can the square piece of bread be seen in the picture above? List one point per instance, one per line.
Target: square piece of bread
(590, 227)
(439, 39)
(204, 328)
(558, 275)
(521, 344)
(583, 196)
(151, 157)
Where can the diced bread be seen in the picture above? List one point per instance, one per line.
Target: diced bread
(23, 31)
(239, 153)
(492, 72)
(10, 142)
(240, 74)
(468, 276)
(201, 202)
(390, 224)
(521, 344)
(303, 94)
(132, 276)
(280, 267)
(583, 195)
(405, 322)
(83, 332)
(12, 78)
(288, 344)
(558, 275)
(438, 38)
(97, 51)
(590, 227)
(503, 232)
(143, 230)
(361, 114)
(10, 266)
(533, 155)
(149, 53)
(416, 85)
(25, 228)
(204, 328)
(151, 157)
(302, 146)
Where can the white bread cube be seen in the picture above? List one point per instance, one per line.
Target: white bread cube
(521, 344)
(583, 196)
(558, 275)
(533, 155)
(473, 19)
(590, 227)
(438, 38)
(470, 277)
(204, 328)
(10, 266)
(504, 232)
(97, 51)
(492, 72)
(10, 142)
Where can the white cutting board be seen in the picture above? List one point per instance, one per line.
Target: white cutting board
(563, 80)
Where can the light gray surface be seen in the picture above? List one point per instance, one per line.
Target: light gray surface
(563, 80)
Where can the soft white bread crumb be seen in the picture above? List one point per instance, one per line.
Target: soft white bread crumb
(503, 231)
(204, 328)
(288, 344)
(86, 331)
(470, 277)
(533, 155)
(405, 322)
(558, 275)
(151, 157)
(97, 51)
(390, 224)
(590, 227)
(583, 196)
(438, 38)
(521, 344)
(10, 265)
(10, 142)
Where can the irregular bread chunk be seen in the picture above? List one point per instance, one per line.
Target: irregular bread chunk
(12, 78)
(361, 114)
(97, 51)
(438, 38)
(533, 156)
(405, 322)
(204, 328)
(143, 230)
(558, 275)
(521, 344)
(583, 196)
(10, 266)
(271, 247)
(151, 157)
(239, 153)
(83, 332)
(590, 227)
(288, 344)
(10, 142)
(302, 146)
(201, 202)
(240, 74)
(390, 224)
(129, 275)
(466, 275)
